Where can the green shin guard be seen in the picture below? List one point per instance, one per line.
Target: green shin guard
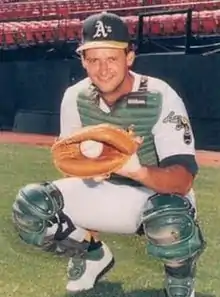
(34, 209)
(179, 281)
(174, 236)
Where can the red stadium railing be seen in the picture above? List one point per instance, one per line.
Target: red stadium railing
(79, 8)
(144, 2)
(35, 32)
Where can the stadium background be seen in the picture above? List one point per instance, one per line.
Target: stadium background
(176, 40)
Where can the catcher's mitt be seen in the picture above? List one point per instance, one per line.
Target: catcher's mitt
(118, 146)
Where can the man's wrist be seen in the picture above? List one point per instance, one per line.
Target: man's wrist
(139, 174)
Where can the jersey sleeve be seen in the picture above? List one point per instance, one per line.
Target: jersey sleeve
(173, 133)
(69, 115)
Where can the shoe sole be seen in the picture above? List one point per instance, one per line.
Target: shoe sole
(98, 277)
(193, 294)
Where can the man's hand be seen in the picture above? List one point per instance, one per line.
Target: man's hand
(117, 146)
(133, 165)
(130, 168)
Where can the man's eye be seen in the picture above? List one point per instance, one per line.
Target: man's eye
(92, 61)
(112, 59)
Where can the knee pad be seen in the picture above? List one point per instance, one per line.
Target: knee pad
(35, 208)
(172, 232)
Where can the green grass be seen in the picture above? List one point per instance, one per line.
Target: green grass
(25, 272)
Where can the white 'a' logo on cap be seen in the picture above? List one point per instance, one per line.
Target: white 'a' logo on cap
(102, 30)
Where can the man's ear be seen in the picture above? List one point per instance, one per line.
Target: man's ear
(83, 61)
(130, 58)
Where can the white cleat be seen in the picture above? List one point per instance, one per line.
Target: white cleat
(86, 269)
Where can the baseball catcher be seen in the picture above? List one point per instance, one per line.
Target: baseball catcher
(127, 162)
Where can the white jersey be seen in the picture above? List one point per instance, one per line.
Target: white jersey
(111, 208)
(172, 133)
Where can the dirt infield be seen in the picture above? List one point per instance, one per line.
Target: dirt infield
(205, 158)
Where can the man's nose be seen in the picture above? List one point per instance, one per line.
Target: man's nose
(103, 67)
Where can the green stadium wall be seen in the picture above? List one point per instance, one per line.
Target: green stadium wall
(31, 92)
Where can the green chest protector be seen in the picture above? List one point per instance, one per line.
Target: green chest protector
(140, 109)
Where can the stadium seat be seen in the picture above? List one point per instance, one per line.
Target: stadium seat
(196, 28)
(132, 24)
(34, 9)
(208, 23)
(167, 26)
(179, 23)
(154, 26)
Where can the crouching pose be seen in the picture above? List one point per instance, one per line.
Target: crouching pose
(48, 216)
(151, 192)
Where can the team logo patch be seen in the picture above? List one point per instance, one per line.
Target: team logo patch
(102, 30)
(181, 123)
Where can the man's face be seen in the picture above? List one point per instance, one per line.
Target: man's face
(107, 68)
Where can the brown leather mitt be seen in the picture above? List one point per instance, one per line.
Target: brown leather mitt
(118, 146)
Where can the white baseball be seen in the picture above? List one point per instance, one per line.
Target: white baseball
(91, 149)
